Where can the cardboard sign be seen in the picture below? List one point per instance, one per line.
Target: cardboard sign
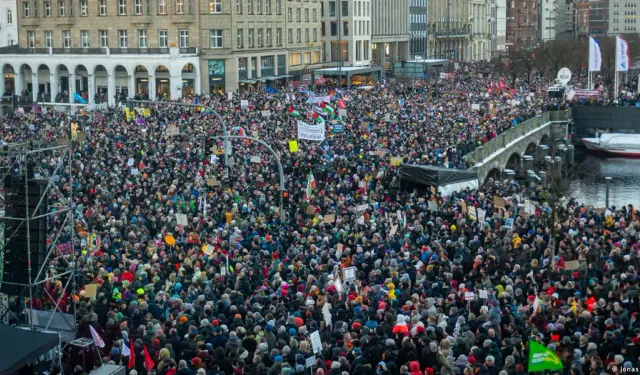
(316, 343)
(396, 161)
(381, 153)
(363, 126)
(394, 230)
(571, 265)
(311, 210)
(498, 202)
(91, 290)
(329, 219)
(181, 219)
(212, 182)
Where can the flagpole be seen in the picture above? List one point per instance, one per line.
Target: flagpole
(615, 89)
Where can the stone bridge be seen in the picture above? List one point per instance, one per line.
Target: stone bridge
(507, 150)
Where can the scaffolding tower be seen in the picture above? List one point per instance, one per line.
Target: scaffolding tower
(24, 161)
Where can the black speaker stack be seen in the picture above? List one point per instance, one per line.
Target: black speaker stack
(16, 250)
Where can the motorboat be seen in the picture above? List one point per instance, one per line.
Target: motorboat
(615, 144)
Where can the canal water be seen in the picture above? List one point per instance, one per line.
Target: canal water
(589, 186)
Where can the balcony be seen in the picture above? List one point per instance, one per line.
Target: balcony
(453, 33)
(79, 51)
(16, 50)
(139, 51)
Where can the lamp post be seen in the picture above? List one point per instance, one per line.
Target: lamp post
(213, 111)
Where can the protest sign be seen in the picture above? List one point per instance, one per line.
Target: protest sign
(293, 146)
(244, 103)
(311, 132)
(396, 161)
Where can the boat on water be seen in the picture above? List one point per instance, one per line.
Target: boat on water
(620, 144)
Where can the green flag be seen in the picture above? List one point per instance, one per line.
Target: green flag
(541, 358)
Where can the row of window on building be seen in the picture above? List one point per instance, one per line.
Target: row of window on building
(361, 8)
(361, 29)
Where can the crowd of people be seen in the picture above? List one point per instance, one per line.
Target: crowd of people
(198, 271)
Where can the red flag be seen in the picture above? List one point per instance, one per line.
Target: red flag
(148, 362)
(132, 357)
(315, 115)
(342, 104)
(172, 371)
(324, 105)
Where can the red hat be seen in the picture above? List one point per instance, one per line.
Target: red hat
(471, 360)
(429, 370)
(356, 325)
(531, 298)
(352, 297)
(155, 342)
(195, 362)
(215, 323)
(420, 329)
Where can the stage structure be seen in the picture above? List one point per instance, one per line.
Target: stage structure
(38, 237)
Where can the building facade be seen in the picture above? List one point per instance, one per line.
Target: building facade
(8, 23)
(106, 49)
(418, 42)
(480, 13)
(598, 17)
(449, 29)
(522, 24)
(547, 20)
(499, 27)
(389, 31)
(582, 17)
(346, 32)
(624, 17)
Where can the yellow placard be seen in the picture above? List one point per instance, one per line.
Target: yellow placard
(146, 112)
(396, 161)
(169, 240)
(293, 146)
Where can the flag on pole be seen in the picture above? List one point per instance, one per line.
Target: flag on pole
(595, 57)
(125, 349)
(541, 358)
(132, 357)
(148, 362)
(326, 108)
(96, 338)
(623, 58)
(293, 112)
(311, 184)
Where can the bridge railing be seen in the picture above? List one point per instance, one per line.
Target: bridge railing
(514, 133)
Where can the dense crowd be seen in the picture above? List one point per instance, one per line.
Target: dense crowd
(394, 281)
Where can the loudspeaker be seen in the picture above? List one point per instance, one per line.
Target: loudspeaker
(18, 239)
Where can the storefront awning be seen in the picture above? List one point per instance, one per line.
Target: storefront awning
(248, 81)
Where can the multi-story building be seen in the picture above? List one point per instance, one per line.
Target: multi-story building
(624, 16)
(449, 29)
(389, 31)
(548, 15)
(481, 29)
(8, 23)
(522, 24)
(346, 32)
(582, 17)
(565, 21)
(105, 49)
(498, 27)
(418, 29)
(598, 17)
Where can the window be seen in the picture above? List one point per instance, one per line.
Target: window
(104, 39)
(267, 6)
(290, 36)
(9, 16)
(215, 38)
(334, 28)
(250, 38)
(31, 36)
(47, 8)
(61, 11)
(239, 6)
(268, 37)
(240, 38)
(142, 38)
(148, 6)
(84, 38)
(84, 8)
(138, 7)
(307, 57)
(278, 7)
(316, 57)
(306, 35)
(163, 38)
(298, 36)
(345, 9)
(103, 8)
(345, 28)
(250, 6)
(259, 6)
(215, 6)
(289, 15)
(184, 38)
(298, 15)
(294, 59)
(122, 7)
(70, 8)
(25, 10)
(366, 50)
(66, 39)
(48, 39)
(179, 6)
(278, 37)
(358, 48)
(123, 38)
(315, 15)
(315, 35)
(332, 8)
(259, 37)
(306, 15)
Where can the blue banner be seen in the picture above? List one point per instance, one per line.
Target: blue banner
(338, 128)
(78, 99)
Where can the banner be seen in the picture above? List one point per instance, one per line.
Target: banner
(623, 59)
(585, 94)
(595, 57)
(311, 132)
(541, 358)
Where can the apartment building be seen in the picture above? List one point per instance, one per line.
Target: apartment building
(346, 32)
(418, 29)
(547, 19)
(624, 17)
(449, 29)
(522, 24)
(598, 17)
(8, 23)
(480, 13)
(106, 49)
(499, 27)
(390, 31)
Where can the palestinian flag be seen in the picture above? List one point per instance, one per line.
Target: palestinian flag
(318, 120)
(293, 112)
(328, 110)
(311, 184)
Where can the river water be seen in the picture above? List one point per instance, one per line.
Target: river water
(589, 185)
